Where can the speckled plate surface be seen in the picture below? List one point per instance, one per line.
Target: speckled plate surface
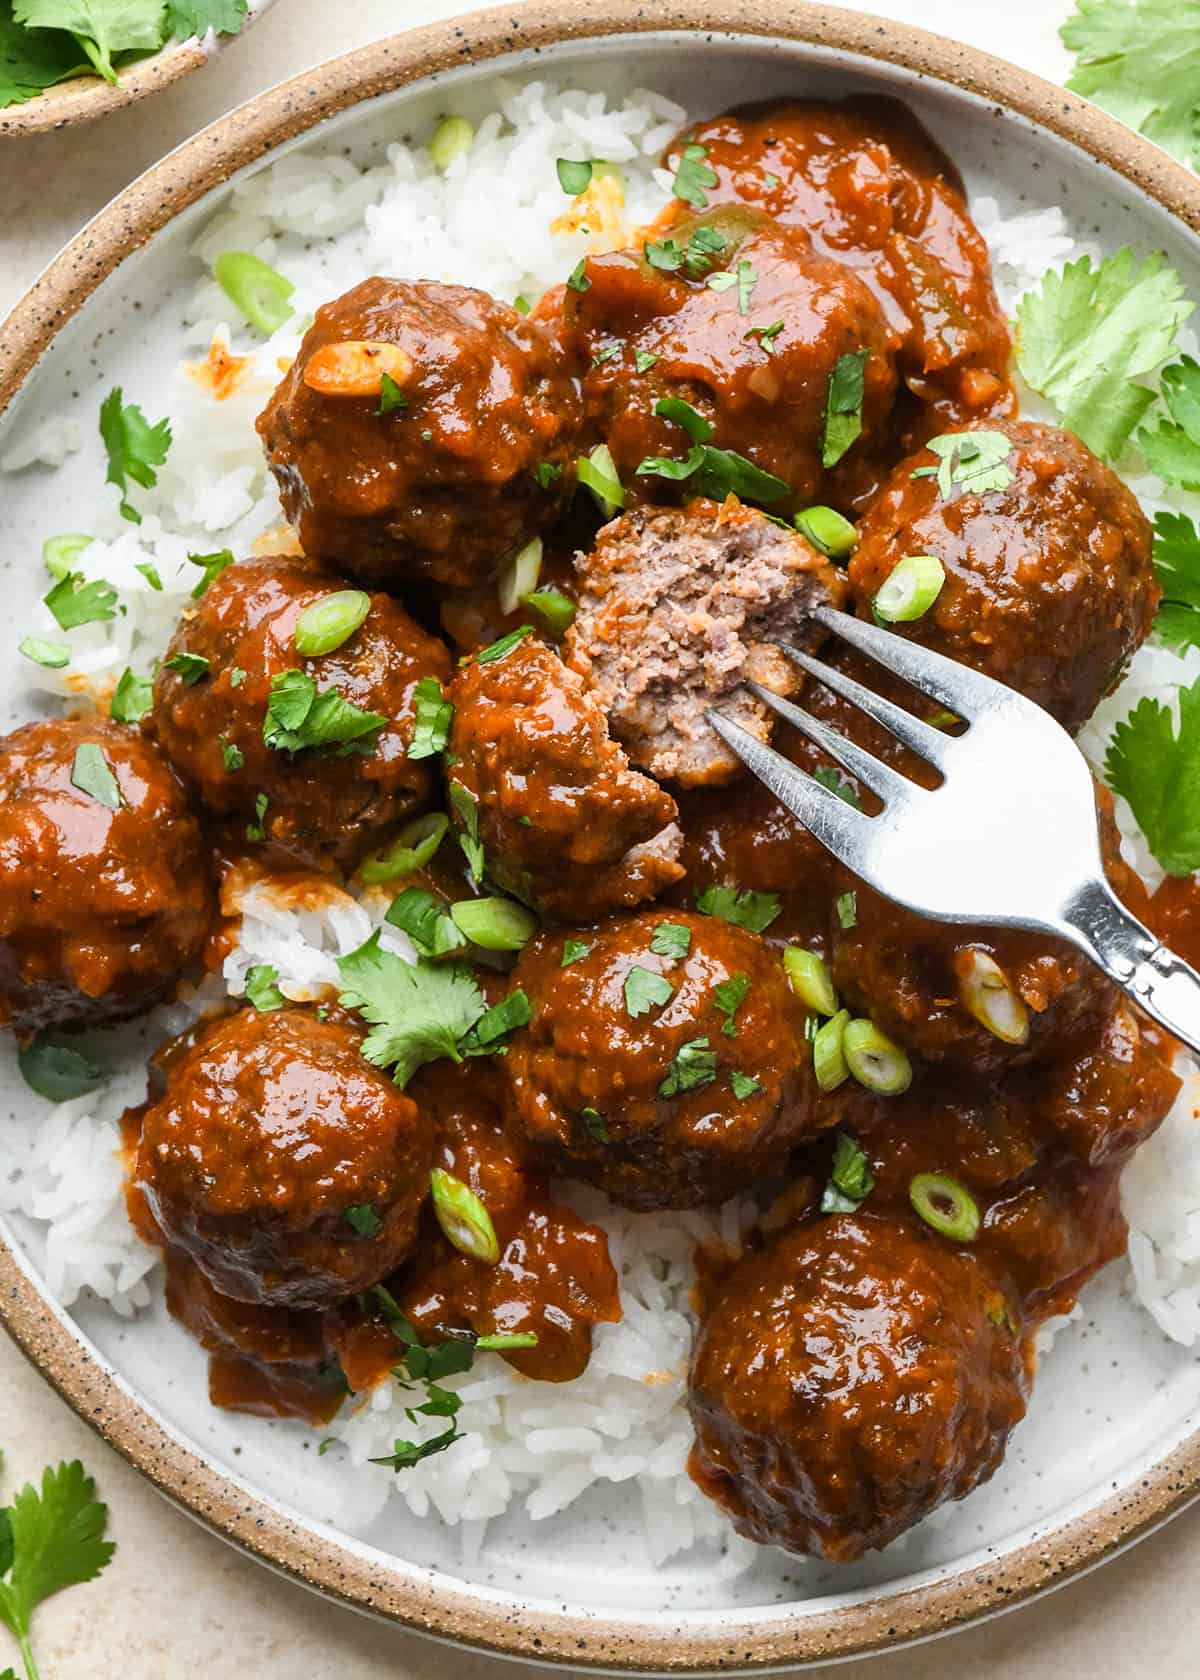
(1111, 1447)
(84, 98)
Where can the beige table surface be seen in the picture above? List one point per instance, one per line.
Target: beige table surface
(177, 1602)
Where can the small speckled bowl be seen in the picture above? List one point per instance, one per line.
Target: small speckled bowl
(86, 97)
(1111, 1447)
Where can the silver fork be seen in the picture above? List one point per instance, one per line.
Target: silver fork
(1009, 839)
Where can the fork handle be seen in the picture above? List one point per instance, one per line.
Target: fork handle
(1161, 983)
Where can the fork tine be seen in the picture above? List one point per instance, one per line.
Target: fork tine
(880, 778)
(921, 738)
(837, 825)
(964, 691)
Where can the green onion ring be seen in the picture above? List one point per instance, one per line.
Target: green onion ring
(910, 589)
(946, 1206)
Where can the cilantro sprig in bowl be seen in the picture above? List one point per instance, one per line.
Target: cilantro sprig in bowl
(69, 61)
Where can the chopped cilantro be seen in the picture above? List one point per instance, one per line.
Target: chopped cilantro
(405, 1454)
(577, 280)
(665, 254)
(671, 939)
(846, 906)
(715, 472)
(644, 360)
(694, 177)
(722, 281)
(232, 756)
(131, 699)
(743, 1085)
(606, 355)
(728, 998)
(843, 406)
(50, 1539)
(1172, 446)
(753, 910)
(363, 1220)
(766, 336)
(262, 988)
(573, 177)
(705, 248)
(547, 474)
(1141, 61)
(300, 719)
(424, 918)
(493, 1026)
(211, 567)
(747, 279)
(837, 783)
(92, 774)
(972, 462)
(505, 644)
(573, 950)
(135, 449)
(417, 1012)
(465, 807)
(850, 1179)
(150, 573)
(52, 656)
(1087, 335)
(433, 717)
(256, 830)
(74, 601)
(1158, 772)
(57, 1071)
(391, 398)
(596, 1125)
(1177, 563)
(645, 990)
(695, 1064)
(190, 666)
(236, 676)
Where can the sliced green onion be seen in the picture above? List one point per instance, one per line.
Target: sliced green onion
(829, 1061)
(253, 286)
(61, 553)
(413, 848)
(450, 139)
(520, 576)
(910, 589)
(573, 177)
(326, 624)
(810, 980)
(985, 993)
(553, 607)
(846, 905)
(599, 475)
(825, 529)
(501, 1343)
(945, 1205)
(494, 924)
(464, 1220)
(874, 1060)
(53, 655)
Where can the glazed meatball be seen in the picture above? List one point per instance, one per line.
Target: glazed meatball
(644, 1074)
(286, 1166)
(226, 662)
(565, 821)
(850, 1379)
(1049, 583)
(677, 608)
(443, 485)
(873, 191)
(106, 893)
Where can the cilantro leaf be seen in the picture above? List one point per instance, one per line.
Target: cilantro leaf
(1158, 772)
(363, 1220)
(671, 939)
(837, 783)
(391, 398)
(405, 1454)
(1177, 563)
(74, 601)
(843, 406)
(190, 667)
(753, 910)
(101, 27)
(211, 565)
(423, 917)
(494, 1025)
(1172, 447)
(417, 1012)
(573, 950)
(262, 989)
(92, 774)
(728, 998)
(693, 177)
(54, 1539)
(197, 17)
(33, 60)
(1086, 336)
(695, 1064)
(1141, 61)
(850, 1180)
(298, 718)
(134, 447)
(433, 717)
(465, 806)
(644, 990)
(973, 462)
(58, 1070)
(743, 1085)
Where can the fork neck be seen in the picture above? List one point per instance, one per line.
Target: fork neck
(1158, 981)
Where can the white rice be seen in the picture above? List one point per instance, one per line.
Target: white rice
(327, 223)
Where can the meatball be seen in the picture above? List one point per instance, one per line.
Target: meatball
(848, 1380)
(868, 185)
(754, 358)
(226, 664)
(665, 1062)
(677, 608)
(925, 982)
(105, 883)
(1049, 584)
(442, 485)
(288, 1168)
(565, 821)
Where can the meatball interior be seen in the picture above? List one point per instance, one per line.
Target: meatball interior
(1049, 583)
(438, 486)
(678, 607)
(564, 819)
(272, 1132)
(849, 1379)
(106, 891)
(319, 801)
(668, 1080)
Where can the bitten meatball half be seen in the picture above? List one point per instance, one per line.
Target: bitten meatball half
(439, 472)
(848, 1380)
(287, 1167)
(246, 718)
(565, 820)
(105, 884)
(678, 607)
(665, 1062)
(1049, 584)
(747, 326)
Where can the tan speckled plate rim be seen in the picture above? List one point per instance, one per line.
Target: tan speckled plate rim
(84, 98)
(481, 1619)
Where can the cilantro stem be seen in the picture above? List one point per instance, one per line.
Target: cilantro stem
(26, 1650)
